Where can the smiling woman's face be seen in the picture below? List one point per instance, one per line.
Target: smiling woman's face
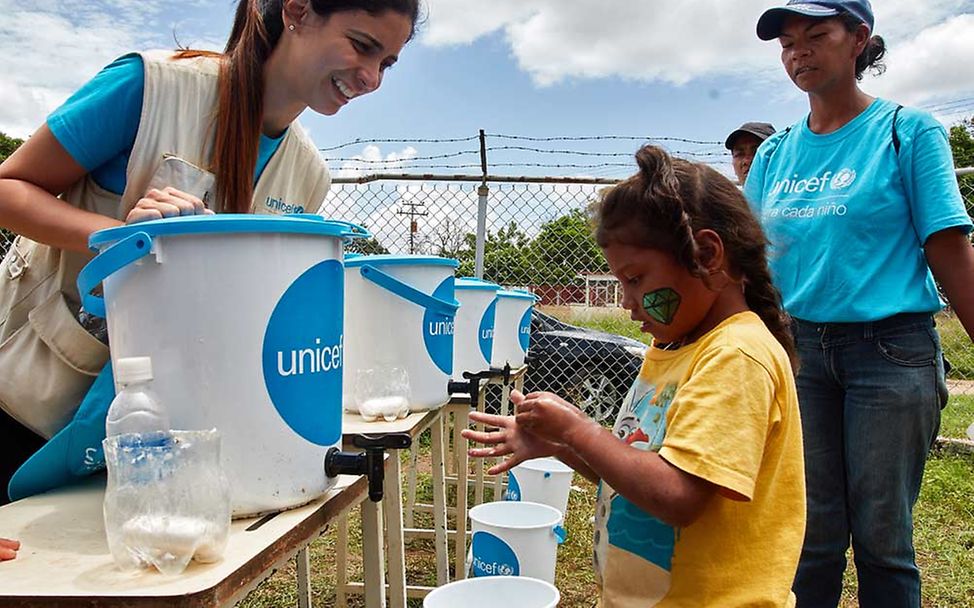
(818, 53)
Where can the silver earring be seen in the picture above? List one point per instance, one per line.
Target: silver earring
(291, 27)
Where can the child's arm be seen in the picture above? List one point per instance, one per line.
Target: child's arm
(644, 478)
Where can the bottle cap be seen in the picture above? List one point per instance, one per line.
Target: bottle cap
(133, 369)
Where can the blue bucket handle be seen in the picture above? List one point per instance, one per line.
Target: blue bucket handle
(407, 292)
(106, 263)
(353, 231)
(560, 533)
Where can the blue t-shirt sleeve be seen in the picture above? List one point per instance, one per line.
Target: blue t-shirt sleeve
(927, 165)
(99, 122)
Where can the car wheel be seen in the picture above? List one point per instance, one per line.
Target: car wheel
(596, 394)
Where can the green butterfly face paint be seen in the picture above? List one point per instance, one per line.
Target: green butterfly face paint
(662, 304)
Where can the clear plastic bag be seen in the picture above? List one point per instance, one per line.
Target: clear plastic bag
(167, 500)
(381, 393)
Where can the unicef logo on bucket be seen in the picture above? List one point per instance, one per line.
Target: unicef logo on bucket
(513, 492)
(438, 330)
(493, 557)
(486, 332)
(303, 354)
(524, 330)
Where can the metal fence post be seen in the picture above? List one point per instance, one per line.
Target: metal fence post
(482, 192)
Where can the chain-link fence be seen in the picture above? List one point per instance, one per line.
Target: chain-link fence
(536, 236)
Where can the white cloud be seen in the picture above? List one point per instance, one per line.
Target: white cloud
(51, 47)
(677, 41)
(931, 64)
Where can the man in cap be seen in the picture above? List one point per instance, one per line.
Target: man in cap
(743, 143)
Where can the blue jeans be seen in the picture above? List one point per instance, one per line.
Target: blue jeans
(870, 396)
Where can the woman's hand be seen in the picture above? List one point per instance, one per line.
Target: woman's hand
(168, 202)
(8, 549)
(508, 439)
(549, 417)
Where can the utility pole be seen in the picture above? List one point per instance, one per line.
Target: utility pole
(413, 210)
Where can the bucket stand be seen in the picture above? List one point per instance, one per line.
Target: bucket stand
(457, 462)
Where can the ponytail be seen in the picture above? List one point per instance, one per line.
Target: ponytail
(241, 101)
(871, 57)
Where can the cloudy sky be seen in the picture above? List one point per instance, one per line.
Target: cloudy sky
(682, 69)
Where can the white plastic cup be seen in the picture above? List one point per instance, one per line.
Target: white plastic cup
(493, 592)
(543, 480)
(515, 539)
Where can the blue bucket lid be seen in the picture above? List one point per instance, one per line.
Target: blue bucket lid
(228, 223)
(517, 293)
(471, 283)
(401, 260)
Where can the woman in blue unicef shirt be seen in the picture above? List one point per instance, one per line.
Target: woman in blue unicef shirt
(862, 208)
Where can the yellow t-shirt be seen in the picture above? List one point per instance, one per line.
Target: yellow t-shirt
(725, 409)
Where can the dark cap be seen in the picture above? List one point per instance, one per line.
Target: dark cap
(769, 25)
(761, 130)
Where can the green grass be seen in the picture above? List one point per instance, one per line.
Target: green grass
(957, 416)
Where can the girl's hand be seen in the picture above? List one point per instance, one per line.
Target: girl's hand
(508, 439)
(8, 549)
(548, 416)
(168, 202)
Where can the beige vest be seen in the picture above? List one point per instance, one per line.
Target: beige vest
(47, 360)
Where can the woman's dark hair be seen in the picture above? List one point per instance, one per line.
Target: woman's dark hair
(257, 27)
(871, 57)
(668, 201)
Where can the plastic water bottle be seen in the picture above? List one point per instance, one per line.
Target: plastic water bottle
(135, 409)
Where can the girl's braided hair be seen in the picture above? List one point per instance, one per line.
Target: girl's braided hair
(668, 201)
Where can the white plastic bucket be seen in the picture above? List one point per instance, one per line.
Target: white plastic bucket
(473, 339)
(242, 316)
(400, 314)
(515, 539)
(544, 480)
(512, 327)
(494, 592)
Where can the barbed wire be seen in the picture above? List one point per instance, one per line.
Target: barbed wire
(404, 160)
(604, 137)
(603, 154)
(409, 161)
(448, 140)
(355, 142)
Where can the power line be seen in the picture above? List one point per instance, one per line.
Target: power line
(938, 107)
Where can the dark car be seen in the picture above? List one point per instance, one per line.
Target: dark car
(592, 369)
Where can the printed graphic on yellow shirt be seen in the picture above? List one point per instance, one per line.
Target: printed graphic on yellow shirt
(621, 524)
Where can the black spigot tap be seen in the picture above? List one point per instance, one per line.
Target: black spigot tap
(370, 462)
(472, 385)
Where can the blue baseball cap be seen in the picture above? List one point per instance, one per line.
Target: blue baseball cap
(769, 25)
(75, 451)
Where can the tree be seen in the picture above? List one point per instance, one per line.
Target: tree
(7, 146)
(564, 248)
(369, 246)
(962, 146)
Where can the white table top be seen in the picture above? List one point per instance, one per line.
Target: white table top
(64, 558)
